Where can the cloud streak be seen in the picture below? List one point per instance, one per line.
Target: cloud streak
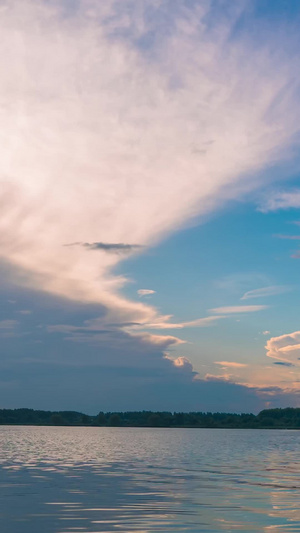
(230, 364)
(236, 309)
(108, 247)
(265, 291)
(145, 292)
(164, 323)
(95, 327)
(281, 200)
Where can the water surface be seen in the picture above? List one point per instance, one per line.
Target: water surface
(72, 480)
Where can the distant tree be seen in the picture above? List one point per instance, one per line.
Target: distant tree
(30, 418)
(57, 420)
(178, 419)
(114, 420)
(155, 420)
(101, 419)
(268, 418)
(193, 419)
(85, 420)
(268, 421)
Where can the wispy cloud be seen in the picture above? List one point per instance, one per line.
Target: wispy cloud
(163, 341)
(228, 310)
(219, 378)
(230, 364)
(145, 292)
(95, 327)
(240, 282)
(265, 291)
(164, 323)
(108, 247)
(281, 200)
(285, 348)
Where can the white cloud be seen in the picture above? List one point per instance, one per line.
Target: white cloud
(266, 332)
(281, 200)
(183, 363)
(92, 330)
(145, 292)
(230, 364)
(106, 141)
(232, 309)
(162, 341)
(217, 377)
(163, 323)
(265, 291)
(285, 348)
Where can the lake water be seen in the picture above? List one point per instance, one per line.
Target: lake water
(73, 480)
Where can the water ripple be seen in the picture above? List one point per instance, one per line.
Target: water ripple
(68, 480)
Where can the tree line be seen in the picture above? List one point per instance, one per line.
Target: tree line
(288, 418)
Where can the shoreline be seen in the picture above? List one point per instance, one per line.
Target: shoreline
(279, 418)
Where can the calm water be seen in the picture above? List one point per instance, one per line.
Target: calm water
(64, 480)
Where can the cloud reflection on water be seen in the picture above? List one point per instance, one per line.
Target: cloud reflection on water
(61, 480)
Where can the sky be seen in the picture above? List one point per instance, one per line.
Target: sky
(149, 205)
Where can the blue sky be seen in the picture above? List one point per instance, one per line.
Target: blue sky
(214, 265)
(150, 195)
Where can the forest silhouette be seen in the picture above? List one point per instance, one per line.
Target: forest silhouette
(287, 418)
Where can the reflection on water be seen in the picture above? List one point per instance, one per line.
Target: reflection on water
(72, 480)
